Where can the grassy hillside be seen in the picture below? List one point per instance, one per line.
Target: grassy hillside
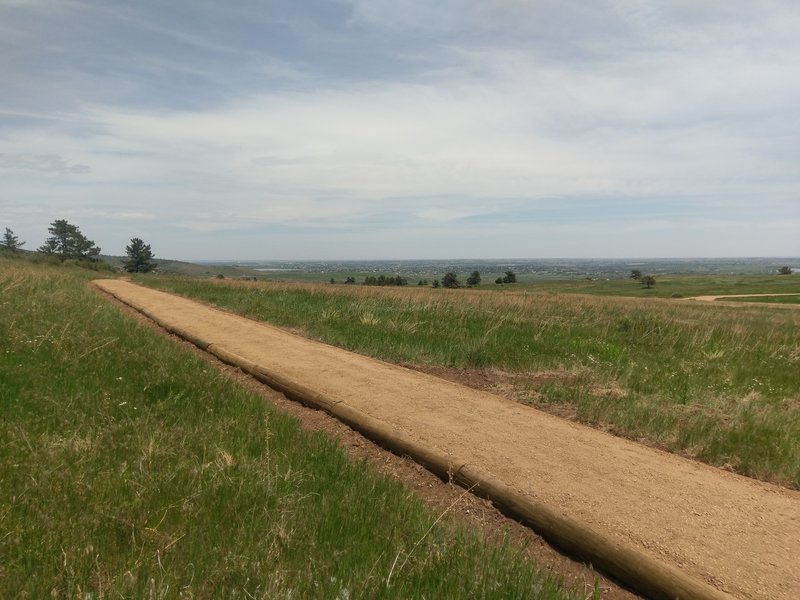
(129, 468)
(179, 267)
(719, 382)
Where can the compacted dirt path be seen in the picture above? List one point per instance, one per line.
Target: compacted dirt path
(737, 534)
(714, 298)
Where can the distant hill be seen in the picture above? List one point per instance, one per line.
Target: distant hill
(179, 267)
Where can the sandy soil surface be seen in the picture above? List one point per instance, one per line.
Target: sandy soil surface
(738, 534)
(439, 495)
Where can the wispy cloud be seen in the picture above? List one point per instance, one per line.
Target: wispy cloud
(49, 163)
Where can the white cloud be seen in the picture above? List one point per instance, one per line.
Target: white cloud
(668, 107)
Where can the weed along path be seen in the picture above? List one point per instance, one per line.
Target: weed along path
(667, 526)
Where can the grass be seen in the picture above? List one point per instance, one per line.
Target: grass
(129, 468)
(765, 299)
(673, 286)
(719, 383)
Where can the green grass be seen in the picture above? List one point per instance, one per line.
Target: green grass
(765, 299)
(673, 286)
(130, 468)
(720, 383)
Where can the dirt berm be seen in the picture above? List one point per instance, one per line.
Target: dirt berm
(667, 526)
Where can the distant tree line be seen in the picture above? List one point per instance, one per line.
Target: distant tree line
(384, 280)
(449, 280)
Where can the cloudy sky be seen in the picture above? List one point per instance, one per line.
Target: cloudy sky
(307, 129)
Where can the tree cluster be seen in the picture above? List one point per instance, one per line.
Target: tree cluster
(508, 277)
(785, 270)
(384, 280)
(474, 279)
(450, 280)
(67, 242)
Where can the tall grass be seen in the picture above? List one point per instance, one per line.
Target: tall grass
(721, 383)
(130, 468)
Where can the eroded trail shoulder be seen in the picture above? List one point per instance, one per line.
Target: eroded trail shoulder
(737, 534)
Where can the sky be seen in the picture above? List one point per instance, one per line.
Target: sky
(404, 129)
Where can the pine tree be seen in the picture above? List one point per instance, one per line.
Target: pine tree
(11, 241)
(67, 241)
(139, 257)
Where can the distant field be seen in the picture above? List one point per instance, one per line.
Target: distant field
(677, 286)
(765, 299)
(129, 468)
(667, 286)
(684, 277)
(718, 383)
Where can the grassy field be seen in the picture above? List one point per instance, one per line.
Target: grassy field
(716, 382)
(130, 468)
(675, 286)
(667, 286)
(765, 299)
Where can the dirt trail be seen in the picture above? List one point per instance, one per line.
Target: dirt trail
(738, 534)
(713, 298)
